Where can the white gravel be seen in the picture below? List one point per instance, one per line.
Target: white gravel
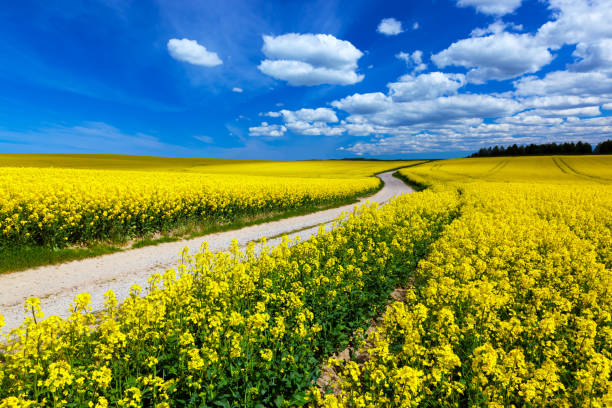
(57, 285)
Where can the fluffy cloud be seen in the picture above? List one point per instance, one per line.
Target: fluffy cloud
(425, 86)
(390, 26)
(309, 115)
(594, 56)
(576, 21)
(315, 49)
(386, 112)
(192, 52)
(310, 59)
(359, 129)
(299, 73)
(427, 99)
(561, 101)
(498, 56)
(570, 112)
(235, 89)
(414, 60)
(267, 130)
(494, 7)
(495, 53)
(314, 128)
(363, 104)
(529, 119)
(435, 111)
(585, 23)
(308, 122)
(586, 84)
(519, 129)
(495, 27)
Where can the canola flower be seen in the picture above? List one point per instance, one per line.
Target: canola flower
(227, 329)
(511, 307)
(528, 169)
(507, 303)
(344, 169)
(47, 206)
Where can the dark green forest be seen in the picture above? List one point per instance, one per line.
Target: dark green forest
(545, 149)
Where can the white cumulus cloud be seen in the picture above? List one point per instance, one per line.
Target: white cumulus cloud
(363, 104)
(425, 86)
(561, 101)
(359, 129)
(494, 7)
(309, 115)
(267, 130)
(379, 109)
(236, 89)
(314, 128)
(498, 56)
(414, 60)
(495, 27)
(565, 83)
(192, 52)
(390, 26)
(522, 128)
(593, 56)
(310, 59)
(436, 112)
(309, 122)
(529, 119)
(577, 21)
(563, 113)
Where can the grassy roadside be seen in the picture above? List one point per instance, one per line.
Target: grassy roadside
(412, 183)
(417, 186)
(20, 258)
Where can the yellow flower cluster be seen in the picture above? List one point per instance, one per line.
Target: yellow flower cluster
(230, 329)
(511, 307)
(63, 206)
(507, 302)
(528, 169)
(307, 168)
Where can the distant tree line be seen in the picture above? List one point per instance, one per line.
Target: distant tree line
(545, 149)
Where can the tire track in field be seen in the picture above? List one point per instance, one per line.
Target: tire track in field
(497, 168)
(57, 285)
(562, 168)
(581, 174)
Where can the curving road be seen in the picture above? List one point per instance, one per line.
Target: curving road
(57, 285)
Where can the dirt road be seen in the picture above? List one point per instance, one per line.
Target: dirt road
(57, 285)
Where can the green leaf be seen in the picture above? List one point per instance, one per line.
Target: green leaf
(279, 401)
(223, 403)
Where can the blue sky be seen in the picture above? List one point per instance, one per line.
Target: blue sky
(302, 80)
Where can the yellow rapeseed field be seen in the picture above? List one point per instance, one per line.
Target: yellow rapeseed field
(125, 196)
(506, 265)
(309, 168)
(513, 304)
(539, 169)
